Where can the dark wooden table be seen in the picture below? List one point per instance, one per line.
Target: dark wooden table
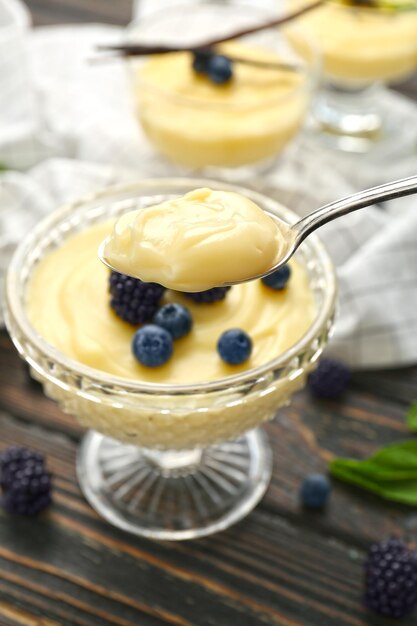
(280, 566)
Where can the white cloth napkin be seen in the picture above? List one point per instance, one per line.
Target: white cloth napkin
(87, 138)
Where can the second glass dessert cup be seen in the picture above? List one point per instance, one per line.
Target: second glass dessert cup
(364, 46)
(167, 462)
(230, 128)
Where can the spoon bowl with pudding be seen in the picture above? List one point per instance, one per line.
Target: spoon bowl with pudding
(208, 238)
(201, 240)
(172, 452)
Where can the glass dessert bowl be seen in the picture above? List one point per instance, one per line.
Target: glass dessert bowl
(364, 45)
(167, 461)
(249, 119)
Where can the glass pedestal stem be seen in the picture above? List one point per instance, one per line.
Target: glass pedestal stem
(174, 495)
(349, 117)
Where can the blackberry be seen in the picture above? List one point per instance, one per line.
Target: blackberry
(25, 482)
(330, 379)
(15, 459)
(200, 60)
(207, 297)
(133, 300)
(391, 578)
(27, 504)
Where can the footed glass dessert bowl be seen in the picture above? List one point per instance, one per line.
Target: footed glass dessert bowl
(166, 461)
(364, 45)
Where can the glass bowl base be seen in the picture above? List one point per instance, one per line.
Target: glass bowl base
(353, 119)
(174, 495)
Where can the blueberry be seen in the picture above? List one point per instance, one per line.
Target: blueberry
(200, 60)
(234, 346)
(152, 345)
(175, 318)
(278, 279)
(315, 491)
(219, 69)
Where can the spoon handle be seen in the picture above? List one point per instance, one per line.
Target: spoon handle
(328, 212)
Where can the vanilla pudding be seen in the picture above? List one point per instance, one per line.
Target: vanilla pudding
(80, 323)
(198, 241)
(195, 122)
(362, 44)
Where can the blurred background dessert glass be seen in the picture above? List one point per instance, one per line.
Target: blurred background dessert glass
(365, 44)
(247, 121)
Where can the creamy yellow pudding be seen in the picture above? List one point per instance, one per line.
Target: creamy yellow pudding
(68, 304)
(364, 44)
(195, 242)
(195, 122)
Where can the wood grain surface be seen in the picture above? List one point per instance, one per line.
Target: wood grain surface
(280, 566)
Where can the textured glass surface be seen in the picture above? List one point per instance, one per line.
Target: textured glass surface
(167, 439)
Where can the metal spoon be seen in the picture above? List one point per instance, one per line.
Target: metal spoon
(294, 235)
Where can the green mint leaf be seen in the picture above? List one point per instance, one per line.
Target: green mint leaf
(411, 417)
(401, 455)
(391, 473)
